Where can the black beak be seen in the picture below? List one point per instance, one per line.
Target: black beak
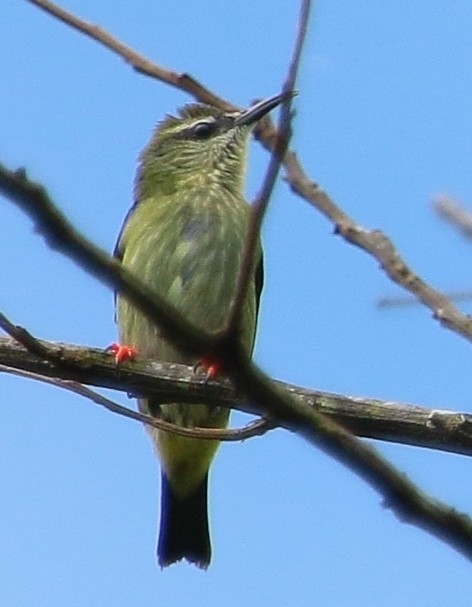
(260, 109)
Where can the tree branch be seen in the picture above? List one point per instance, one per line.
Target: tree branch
(373, 242)
(62, 236)
(373, 418)
(400, 493)
(410, 504)
(380, 247)
(144, 66)
(257, 427)
(460, 218)
(261, 203)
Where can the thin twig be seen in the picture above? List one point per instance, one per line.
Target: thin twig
(256, 218)
(409, 503)
(37, 348)
(61, 235)
(378, 246)
(460, 218)
(24, 337)
(261, 203)
(257, 427)
(144, 66)
(400, 494)
(373, 242)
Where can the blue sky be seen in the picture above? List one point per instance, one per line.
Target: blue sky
(383, 124)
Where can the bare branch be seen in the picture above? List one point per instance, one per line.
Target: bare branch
(144, 66)
(28, 341)
(410, 504)
(61, 235)
(373, 418)
(373, 242)
(255, 428)
(460, 218)
(380, 247)
(258, 211)
(261, 203)
(38, 349)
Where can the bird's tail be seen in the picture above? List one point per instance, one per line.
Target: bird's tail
(184, 532)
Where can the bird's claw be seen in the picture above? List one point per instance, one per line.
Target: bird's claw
(211, 367)
(122, 353)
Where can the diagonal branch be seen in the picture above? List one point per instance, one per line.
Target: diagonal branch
(400, 494)
(144, 66)
(258, 211)
(373, 242)
(62, 236)
(379, 246)
(460, 218)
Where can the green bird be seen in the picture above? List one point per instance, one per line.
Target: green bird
(184, 237)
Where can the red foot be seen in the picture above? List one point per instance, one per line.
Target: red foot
(213, 368)
(122, 353)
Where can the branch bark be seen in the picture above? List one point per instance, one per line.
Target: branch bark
(373, 242)
(399, 493)
(367, 417)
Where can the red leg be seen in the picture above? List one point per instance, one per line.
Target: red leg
(212, 367)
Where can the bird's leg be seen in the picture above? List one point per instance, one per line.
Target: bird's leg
(212, 367)
(122, 353)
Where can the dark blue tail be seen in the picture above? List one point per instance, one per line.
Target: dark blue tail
(184, 532)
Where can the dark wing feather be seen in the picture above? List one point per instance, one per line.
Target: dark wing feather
(118, 250)
(259, 282)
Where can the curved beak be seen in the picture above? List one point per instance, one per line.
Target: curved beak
(260, 109)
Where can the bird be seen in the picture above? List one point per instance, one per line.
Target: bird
(184, 237)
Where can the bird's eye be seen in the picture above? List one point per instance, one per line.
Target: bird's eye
(203, 130)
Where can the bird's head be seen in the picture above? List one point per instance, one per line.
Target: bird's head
(201, 145)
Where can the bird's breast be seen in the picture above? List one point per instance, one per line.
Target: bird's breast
(189, 250)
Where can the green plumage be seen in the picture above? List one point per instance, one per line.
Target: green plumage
(184, 237)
